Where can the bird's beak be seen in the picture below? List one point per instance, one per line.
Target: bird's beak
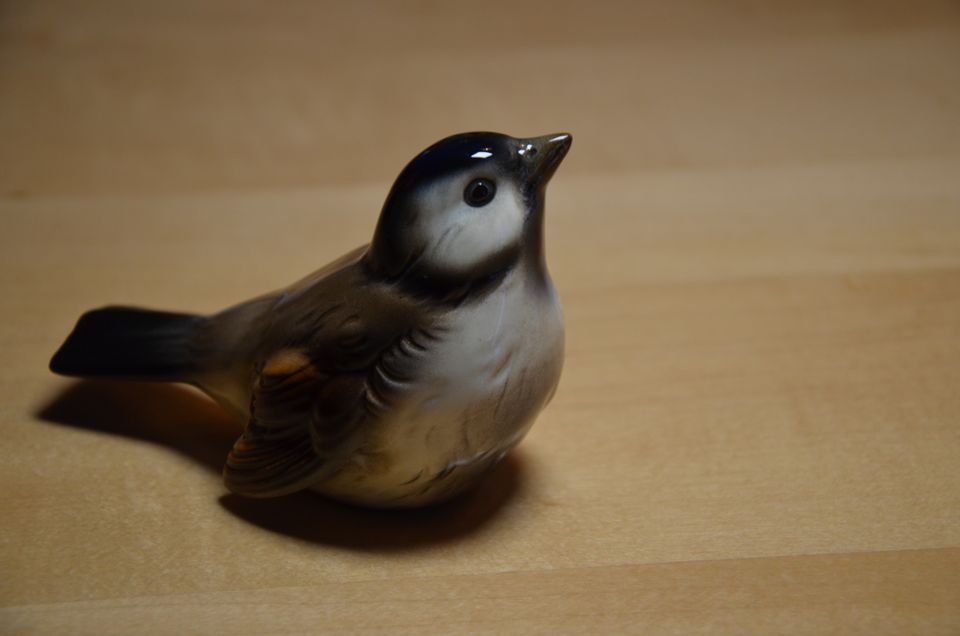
(542, 155)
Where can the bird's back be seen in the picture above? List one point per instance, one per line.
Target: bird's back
(339, 317)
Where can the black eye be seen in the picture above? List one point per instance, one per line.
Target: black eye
(479, 192)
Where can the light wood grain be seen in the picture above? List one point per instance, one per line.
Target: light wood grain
(756, 237)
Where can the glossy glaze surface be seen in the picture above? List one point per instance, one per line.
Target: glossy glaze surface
(401, 372)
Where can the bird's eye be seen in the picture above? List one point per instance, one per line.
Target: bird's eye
(479, 192)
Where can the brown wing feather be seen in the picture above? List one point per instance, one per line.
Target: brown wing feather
(299, 418)
(306, 411)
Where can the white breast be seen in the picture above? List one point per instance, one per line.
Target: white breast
(477, 391)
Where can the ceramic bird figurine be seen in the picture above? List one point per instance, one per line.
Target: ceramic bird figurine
(395, 376)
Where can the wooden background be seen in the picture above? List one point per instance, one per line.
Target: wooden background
(756, 237)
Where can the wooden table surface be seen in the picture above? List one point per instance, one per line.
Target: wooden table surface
(756, 237)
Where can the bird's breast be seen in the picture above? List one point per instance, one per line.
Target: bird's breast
(456, 397)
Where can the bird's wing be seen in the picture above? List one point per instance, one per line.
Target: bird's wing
(314, 383)
(289, 439)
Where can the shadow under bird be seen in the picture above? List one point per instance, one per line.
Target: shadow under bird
(395, 376)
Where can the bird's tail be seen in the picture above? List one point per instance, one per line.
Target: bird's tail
(128, 343)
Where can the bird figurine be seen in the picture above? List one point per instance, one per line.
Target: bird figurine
(400, 373)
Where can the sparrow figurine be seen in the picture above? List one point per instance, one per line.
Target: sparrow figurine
(400, 373)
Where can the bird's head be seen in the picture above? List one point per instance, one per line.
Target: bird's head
(467, 208)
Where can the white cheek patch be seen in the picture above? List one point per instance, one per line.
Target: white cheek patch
(460, 236)
(464, 236)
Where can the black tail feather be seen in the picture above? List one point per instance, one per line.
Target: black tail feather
(123, 342)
